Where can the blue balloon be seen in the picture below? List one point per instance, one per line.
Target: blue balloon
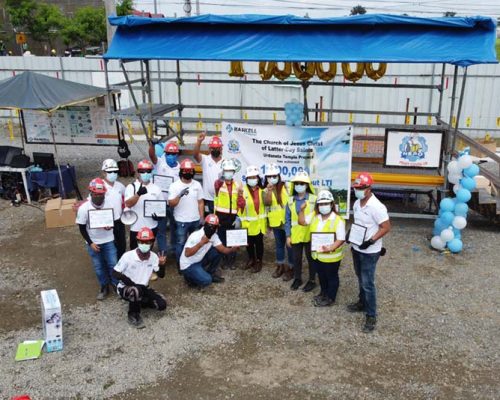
(436, 232)
(447, 204)
(463, 195)
(471, 171)
(447, 217)
(457, 233)
(455, 245)
(439, 224)
(468, 183)
(289, 122)
(461, 209)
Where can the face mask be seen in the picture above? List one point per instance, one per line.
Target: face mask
(300, 188)
(186, 175)
(112, 176)
(171, 160)
(97, 200)
(146, 176)
(360, 194)
(209, 230)
(273, 181)
(228, 175)
(144, 247)
(326, 209)
(252, 182)
(215, 153)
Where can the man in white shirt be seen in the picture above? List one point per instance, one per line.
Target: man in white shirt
(211, 167)
(202, 254)
(115, 193)
(166, 166)
(134, 270)
(186, 199)
(136, 194)
(99, 241)
(370, 213)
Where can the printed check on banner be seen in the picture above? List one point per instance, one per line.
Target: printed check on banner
(101, 218)
(158, 207)
(163, 182)
(319, 239)
(236, 237)
(357, 234)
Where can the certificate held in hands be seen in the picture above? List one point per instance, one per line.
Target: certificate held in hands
(163, 182)
(158, 207)
(236, 237)
(357, 234)
(320, 239)
(101, 218)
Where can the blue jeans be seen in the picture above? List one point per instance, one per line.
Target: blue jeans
(364, 266)
(104, 261)
(167, 248)
(200, 273)
(182, 231)
(280, 242)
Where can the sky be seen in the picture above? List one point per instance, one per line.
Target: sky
(325, 8)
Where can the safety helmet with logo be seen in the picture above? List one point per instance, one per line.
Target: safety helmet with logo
(228, 165)
(212, 219)
(324, 196)
(109, 165)
(97, 186)
(145, 235)
(301, 177)
(252, 170)
(187, 164)
(363, 180)
(144, 165)
(271, 169)
(215, 143)
(171, 148)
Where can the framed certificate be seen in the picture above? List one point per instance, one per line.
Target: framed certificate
(236, 237)
(357, 234)
(158, 207)
(101, 218)
(163, 182)
(319, 239)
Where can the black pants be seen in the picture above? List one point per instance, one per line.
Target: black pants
(328, 274)
(226, 222)
(297, 250)
(133, 238)
(255, 248)
(120, 240)
(209, 207)
(140, 297)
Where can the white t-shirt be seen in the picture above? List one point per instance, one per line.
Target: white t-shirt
(115, 195)
(340, 232)
(162, 168)
(154, 193)
(193, 240)
(137, 270)
(186, 209)
(370, 216)
(97, 235)
(211, 172)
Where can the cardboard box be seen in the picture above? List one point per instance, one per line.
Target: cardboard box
(51, 320)
(59, 212)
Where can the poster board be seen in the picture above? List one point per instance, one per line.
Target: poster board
(413, 149)
(86, 123)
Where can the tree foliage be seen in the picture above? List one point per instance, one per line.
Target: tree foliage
(358, 10)
(124, 7)
(86, 27)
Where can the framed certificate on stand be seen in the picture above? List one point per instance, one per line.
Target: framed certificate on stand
(319, 239)
(101, 218)
(357, 234)
(163, 182)
(158, 207)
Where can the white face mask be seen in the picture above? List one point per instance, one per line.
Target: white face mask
(144, 247)
(273, 181)
(252, 182)
(300, 188)
(228, 175)
(112, 176)
(360, 194)
(325, 209)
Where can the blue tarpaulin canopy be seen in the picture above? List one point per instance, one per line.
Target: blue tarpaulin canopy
(363, 38)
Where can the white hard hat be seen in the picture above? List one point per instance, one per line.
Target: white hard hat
(228, 165)
(272, 169)
(324, 196)
(109, 165)
(252, 170)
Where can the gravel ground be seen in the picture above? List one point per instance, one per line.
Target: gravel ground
(251, 337)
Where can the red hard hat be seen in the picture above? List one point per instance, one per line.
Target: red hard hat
(97, 186)
(187, 164)
(215, 142)
(212, 219)
(145, 164)
(145, 235)
(171, 147)
(364, 179)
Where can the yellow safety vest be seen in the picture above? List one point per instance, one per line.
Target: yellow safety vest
(223, 203)
(329, 227)
(275, 212)
(255, 222)
(301, 233)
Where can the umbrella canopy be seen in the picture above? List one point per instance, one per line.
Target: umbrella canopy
(32, 91)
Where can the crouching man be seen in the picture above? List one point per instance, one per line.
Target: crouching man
(134, 270)
(202, 254)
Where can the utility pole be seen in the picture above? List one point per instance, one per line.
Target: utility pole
(110, 8)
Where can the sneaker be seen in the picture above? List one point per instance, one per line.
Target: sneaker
(370, 324)
(296, 284)
(217, 279)
(356, 307)
(103, 292)
(310, 285)
(324, 302)
(135, 320)
(154, 276)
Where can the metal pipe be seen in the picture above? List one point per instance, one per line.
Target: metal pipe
(142, 82)
(330, 114)
(459, 111)
(447, 157)
(441, 91)
(150, 100)
(178, 82)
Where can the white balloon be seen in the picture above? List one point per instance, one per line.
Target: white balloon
(454, 178)
(465, 161)
(456, 187)
(437, 243)
(447, 235)
(459, 222)
(453, 167)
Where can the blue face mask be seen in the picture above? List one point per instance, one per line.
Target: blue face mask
(252, 182)
(360, 194)
(112, 176)
(171, 160)
(300, 188)
(146, 176)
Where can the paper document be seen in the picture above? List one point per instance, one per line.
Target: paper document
(101, 218)
(319, 239)
(29, 350)
(163, 182)
(357, 234)
(158, 207)
(236, 237)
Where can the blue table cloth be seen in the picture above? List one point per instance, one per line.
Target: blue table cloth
(50, 179)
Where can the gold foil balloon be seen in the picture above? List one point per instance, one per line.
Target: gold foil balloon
(353, 76)
(304, 73)
(326, 75)
(375, 74)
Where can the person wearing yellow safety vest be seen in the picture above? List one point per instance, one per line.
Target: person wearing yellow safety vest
(228, 198)
(253, 218)
(326, 259)
(275, 200)
(298, 237)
